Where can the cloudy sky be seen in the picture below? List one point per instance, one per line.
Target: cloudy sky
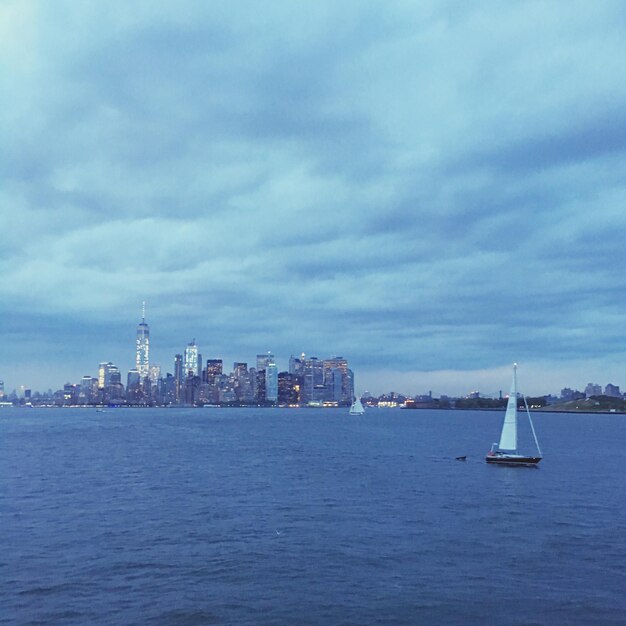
(431, 189)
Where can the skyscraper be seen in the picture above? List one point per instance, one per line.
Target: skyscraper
(155, 373)
(262, 360)
(103, 374)
(271, 382)
(214, 367)
(142, 360)
(239, 369)
(178, 376)
(288, 388)
(340, 389)
(88, 390)
(191, 363)
(132, 379)
(266, 362)
(313, 379)
(113, 377)
(296, 364)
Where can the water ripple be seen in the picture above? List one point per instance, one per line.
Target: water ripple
(282, 517)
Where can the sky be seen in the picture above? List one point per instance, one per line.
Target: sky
(431, 190)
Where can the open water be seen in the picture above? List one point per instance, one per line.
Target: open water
(276, 516)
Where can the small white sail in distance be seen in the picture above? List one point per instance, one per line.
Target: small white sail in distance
(508, 438)
(357, 407)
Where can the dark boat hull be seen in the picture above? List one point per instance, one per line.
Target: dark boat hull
(513, 460)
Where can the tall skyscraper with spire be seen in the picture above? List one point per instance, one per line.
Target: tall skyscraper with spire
(142, 359)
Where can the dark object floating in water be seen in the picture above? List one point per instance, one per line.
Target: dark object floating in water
(461, 458)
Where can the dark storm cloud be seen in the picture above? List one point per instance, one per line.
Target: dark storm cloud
(432, 188)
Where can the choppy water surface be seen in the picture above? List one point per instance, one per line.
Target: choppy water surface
(261, 516)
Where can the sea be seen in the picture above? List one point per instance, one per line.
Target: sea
(307, 516)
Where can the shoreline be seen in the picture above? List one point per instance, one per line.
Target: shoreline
(107, 408)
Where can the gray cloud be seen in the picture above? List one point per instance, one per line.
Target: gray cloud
(421, 189)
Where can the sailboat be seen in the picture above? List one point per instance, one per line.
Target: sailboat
(357, 407)
(506, 452)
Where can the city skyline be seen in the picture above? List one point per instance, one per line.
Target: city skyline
(190, 361)
(194, 381)
(433, 191)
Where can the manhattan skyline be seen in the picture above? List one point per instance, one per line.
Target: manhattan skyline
(191, 360)
(432, 191)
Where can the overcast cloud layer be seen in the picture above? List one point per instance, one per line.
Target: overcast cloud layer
(432, 190)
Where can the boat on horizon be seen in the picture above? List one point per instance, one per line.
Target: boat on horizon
(357, 407)
(506, 451)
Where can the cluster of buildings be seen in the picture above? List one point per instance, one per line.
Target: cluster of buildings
(308, 382)
(592, 389)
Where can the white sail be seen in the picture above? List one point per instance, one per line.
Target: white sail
(357, 407)
(508, 438)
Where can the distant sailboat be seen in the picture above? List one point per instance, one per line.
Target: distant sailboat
(357, 407)
(505, 453)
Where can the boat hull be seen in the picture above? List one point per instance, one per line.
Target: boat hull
(513, 460)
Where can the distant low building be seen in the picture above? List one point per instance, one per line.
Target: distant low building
(568, 394)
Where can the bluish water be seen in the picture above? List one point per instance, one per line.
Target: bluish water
(261, 516)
